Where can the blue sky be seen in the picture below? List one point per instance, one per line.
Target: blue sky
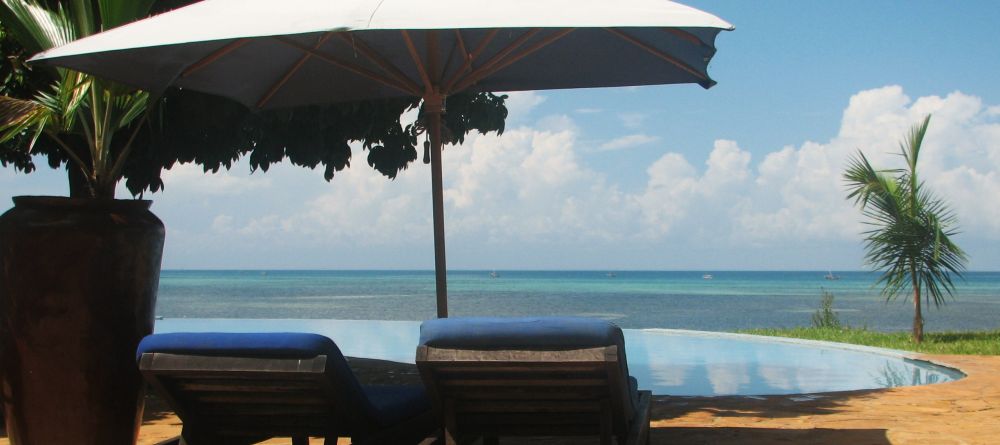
(742, 176)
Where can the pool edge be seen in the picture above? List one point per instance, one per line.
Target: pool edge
(948, 368)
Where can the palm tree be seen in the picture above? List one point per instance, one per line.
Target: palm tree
(911, 239)
(92, 121)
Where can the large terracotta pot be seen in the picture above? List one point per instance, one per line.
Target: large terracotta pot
(78, 281)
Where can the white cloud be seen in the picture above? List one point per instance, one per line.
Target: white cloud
(672, 184)
(556, 123)
(587, 110)
(529, 192)
(530, 184)
(632, 120)
(521, 103)
(190, 178)
(799, 193)
(222, 223)
(628, 141)
(676, 192)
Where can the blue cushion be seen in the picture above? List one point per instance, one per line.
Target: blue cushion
(385, 405)
(395, 403)
(633, 392)
(217, 344)
(519, 332)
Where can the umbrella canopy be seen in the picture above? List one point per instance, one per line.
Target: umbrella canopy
(267, 54)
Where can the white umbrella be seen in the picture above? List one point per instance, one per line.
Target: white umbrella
(270, 54)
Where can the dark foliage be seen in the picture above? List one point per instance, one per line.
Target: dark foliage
(214, 132)
(19, 81)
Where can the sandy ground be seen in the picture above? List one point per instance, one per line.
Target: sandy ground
(962, 412)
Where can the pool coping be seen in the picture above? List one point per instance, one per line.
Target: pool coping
(953, 371)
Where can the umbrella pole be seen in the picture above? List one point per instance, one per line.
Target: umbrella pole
(434, 106)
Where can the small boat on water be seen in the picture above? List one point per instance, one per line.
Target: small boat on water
(611, 275)
(494, 274)
(831, 276)
(707, 276)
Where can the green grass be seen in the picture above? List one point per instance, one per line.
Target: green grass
(966, 343)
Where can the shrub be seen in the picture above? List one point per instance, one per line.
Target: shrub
(825, 316)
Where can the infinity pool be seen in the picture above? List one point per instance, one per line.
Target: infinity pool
(668, 362)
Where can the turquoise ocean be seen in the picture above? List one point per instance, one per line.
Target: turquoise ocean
(730, 300)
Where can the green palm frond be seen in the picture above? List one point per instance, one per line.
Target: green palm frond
(17, 111)
(19, 116)
(910, 148)
(116, 12)
(35, 26)
(77, 103)
(84, 20)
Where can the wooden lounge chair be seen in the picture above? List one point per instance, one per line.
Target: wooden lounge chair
(233, 389)
(550, 376)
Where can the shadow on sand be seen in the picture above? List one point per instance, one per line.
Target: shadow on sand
(770, 407)
(755, 436)
(793, 406)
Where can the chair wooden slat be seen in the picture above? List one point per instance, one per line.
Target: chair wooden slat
(531, 392)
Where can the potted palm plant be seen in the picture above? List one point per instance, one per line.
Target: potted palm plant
(78, 274)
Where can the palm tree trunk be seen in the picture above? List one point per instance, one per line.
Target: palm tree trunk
(918, 319)
(79, 187)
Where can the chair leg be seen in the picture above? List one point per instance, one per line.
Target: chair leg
(638, 433)
(191, 436)
(450, 423)
(606, 422)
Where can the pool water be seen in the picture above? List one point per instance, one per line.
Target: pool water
(692, 363)
(668, 362)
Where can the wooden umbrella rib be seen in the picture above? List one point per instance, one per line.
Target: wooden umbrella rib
(288, 75)
(349, 66)
(463, 54)
(281, 82)
(470, 58)
(684, 35)
(486, 41)
(428, 88)
(433, 64)
(207, 60)
(667, 57)
(460, 41)
(382, 62)
(490, 69)
(474, 76)
(459, 47)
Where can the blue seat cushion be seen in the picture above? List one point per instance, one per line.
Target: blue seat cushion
(219, 344)
(519, 333)
(633, 392)
(384, 405)
(395, 403)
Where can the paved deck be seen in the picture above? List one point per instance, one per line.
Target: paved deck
(962, 412)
